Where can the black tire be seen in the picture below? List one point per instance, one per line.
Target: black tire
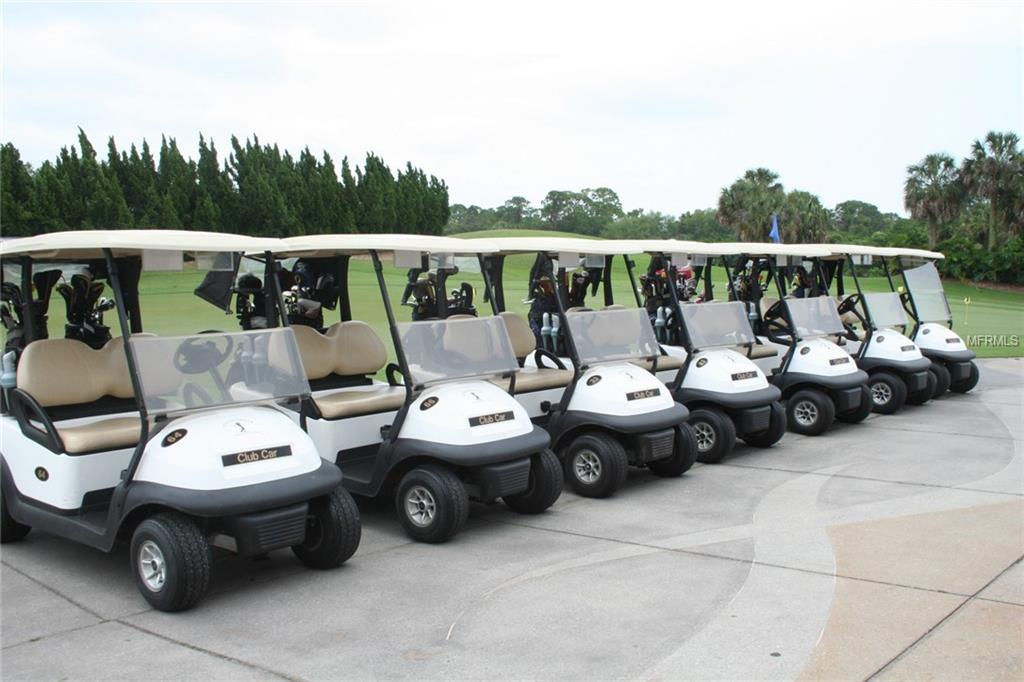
(888, 392)
(682, 458)
(926, 393)
(969, 383)
(810, 412)
(773, 434)
(442, 500)
(714, 432)
(333, 531)
(179, 545)
(861, 412)
(546, 482)
(942, 378)
(10, 530)
(595, 464)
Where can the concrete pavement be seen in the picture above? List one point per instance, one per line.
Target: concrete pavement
(891, 548)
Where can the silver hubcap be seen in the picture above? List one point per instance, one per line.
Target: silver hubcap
(705, 436)
(420, 506)
(587, 466)
(881, 393)
(806, 413)
(152, 566)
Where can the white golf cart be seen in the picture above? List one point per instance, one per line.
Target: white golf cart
(727, 393)
(174, 443)
(590, 384)
(440, 430)
(875, 323)
(819, 380)
(925, 299)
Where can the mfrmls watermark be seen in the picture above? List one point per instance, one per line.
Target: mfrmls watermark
(993, 340)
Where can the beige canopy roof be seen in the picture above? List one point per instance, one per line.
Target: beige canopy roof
(732, 248)
(604, 247)
(324, 245)
(89, 244)
(917, 253)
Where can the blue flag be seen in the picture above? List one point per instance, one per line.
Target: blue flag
(774, 234)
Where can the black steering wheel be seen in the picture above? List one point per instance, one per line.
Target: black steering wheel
(196, 396)
(774, 311)
(195, 356)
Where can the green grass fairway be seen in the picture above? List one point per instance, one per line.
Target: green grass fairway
(170, 308)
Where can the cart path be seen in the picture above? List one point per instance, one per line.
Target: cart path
(822, 558)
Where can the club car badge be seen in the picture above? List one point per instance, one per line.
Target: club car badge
(641, 395)
(261, 455)
(497, 417)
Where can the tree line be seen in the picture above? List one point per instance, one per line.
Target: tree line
(258, 190)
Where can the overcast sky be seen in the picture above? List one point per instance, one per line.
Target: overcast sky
(665, 103)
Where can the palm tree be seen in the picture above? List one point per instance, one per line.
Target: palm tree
(748, 203)
(992, 171)
(933, 193)
(804, 218)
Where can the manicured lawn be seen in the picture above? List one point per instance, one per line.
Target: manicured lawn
(169, 307)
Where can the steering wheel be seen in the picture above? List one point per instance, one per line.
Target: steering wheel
(774, 311)
(195, 395)
(849, 304)
(195, 356)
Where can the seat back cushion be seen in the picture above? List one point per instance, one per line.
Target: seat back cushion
(69, 372)
(519, 332)
(348, 348)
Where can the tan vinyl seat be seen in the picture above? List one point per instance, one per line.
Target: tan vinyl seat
(850, 319)
(523, 343)
(757, 351)
(347, 349)
(62, 372)
(665, 363)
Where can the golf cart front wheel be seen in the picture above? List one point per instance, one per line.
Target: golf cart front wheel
(546, 481)
(171, 561)
(942, 378)
(888, 392)
(333, 531)
(682, 458)
(10, 530)
(926, 393)
(810, 412)
(773, 434)
(715, 434)
(596, 464)
(861, 412)
(432, 503)
(967, 384)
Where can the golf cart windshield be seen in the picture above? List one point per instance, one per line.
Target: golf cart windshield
(717, 324)
(815, 316)
(885, 310)
(926, 290)
(609, 335)
(442, 350)
(202, 371)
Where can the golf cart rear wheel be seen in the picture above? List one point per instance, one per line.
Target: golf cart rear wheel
(861, 412)
(546, 481)
(333, 531)
(888, 392)
(810, 412)
(967, 384)
(715, 434)
(682, 458)
(942, 378)
(596, 464)
(10, 530)
(171, 561)
(926, 393)
(773, 434)
(432, 503)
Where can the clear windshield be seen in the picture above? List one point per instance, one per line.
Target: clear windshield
(608, 335)
(201, 371)
(886, 310)
(926, 290)
(440, 350)
(815, 316)
(717, 324)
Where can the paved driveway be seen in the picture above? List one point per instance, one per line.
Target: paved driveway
(891, 548)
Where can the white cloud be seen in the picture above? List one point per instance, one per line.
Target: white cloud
(665, 103)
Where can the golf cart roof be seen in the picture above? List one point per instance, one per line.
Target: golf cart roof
(604, 247)
(671, 246)
(89, 244)
(917, 253)
(327, 245)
